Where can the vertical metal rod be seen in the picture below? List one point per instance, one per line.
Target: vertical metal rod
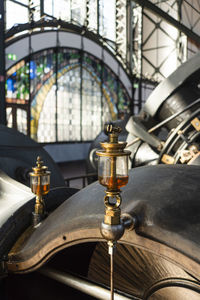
(56, 84)
(102, 103)
(29, 75)
(111, 250)
(41, 8)
(118, 83)
(81, 88)
(29, 86)
(2, 65)
(111, 276)
(98, 16)
(113, 172)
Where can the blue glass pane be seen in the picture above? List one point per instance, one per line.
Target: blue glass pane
(17, 84)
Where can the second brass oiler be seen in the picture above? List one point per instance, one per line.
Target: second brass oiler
(40, 186)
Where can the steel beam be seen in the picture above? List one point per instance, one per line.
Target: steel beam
(41, 8)
(159, 12)
(2, 66)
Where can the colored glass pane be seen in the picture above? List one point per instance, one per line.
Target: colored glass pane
(69, 105)
(42, 81)
(59, 111)
(17, 84)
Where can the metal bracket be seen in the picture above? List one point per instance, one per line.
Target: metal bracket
(3, 268)
(167, 159)
(196, 124)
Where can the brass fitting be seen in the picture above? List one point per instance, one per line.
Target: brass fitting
(113, 174)
(39, 205)
(112, 216)
(112, 210)
(113, 133)
(40, 185)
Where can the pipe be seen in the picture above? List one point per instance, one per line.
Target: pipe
(165, 121)
(82, 285)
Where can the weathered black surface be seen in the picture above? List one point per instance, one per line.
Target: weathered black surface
(164, 199)
(17, 204)
(18, 154)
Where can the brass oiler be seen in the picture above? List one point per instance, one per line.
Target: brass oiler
(40, 186)
(113, 174)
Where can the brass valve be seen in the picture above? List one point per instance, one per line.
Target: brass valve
(40, 186)
(113, 174)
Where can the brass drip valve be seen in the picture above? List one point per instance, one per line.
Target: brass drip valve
(40, 186)
(113, 174)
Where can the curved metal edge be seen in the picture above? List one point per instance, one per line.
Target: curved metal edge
(165, 89)
(84, 236)
(37, 260)
(80, 216)
(171, 282)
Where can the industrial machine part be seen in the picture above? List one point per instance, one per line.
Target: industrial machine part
(18, 154)
(92, 159)
(171, 145)
(40, 186)
(171, 113)
(160, 259)
(166, 131)
(113, 174)
(160, 254)
(16, 207)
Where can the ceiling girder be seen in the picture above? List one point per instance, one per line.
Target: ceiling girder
(159, 12)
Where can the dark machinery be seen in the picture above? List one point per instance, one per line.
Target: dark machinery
(18, 154)
(160, 258)
(167, 128)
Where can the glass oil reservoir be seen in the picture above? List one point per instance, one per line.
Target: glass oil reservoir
(113, 161)
(40, 184)
(40, 179)
(113, 171)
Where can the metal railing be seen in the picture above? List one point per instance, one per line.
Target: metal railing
(84, 178)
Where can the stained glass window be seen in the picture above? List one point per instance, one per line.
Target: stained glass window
(42, 78)
(46, 130)
(72, 94)
(123, 100)
(69, 103)
(91, 106)
(17, 84)
(17, 96)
